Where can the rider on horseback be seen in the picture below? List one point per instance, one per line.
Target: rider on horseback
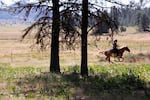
(115, 47)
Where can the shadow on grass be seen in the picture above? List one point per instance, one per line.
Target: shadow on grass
(73, 86)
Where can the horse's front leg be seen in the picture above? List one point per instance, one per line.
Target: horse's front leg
(108, 58)
(120, 59)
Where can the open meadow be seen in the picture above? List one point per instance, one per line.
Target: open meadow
(24, 71)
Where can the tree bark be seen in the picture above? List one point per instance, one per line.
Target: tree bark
(54, 62)
(84, 58)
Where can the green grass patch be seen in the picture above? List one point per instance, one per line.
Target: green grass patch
(111, 81)
(8, 73)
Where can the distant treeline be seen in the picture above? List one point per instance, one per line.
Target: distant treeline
(130, 16)
(122, 17)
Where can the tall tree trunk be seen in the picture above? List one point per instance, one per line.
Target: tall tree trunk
(54, 63)
(84, 60)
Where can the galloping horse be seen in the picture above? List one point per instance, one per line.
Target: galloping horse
(110, 53)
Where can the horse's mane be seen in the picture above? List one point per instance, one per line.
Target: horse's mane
(123, 47)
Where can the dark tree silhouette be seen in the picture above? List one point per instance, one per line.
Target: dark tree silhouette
(54, 63)
(145, 22)
(70, 23)
(47, 18)
(84, 60)
(142, 21)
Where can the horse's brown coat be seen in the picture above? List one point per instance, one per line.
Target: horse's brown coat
(110, 53)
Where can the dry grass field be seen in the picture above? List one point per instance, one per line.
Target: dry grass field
(17, 59)
(19, 53)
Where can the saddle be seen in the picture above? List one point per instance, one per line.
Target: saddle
(115, 51)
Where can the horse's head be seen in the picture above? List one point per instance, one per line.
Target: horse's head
(127, 49)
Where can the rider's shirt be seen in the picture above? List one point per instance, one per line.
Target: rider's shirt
(115, 45)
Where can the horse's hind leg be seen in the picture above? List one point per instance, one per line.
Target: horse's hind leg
(108, 59)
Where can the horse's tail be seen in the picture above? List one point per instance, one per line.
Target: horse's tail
(102, 52)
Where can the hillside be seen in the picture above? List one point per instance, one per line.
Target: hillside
(8, 18)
